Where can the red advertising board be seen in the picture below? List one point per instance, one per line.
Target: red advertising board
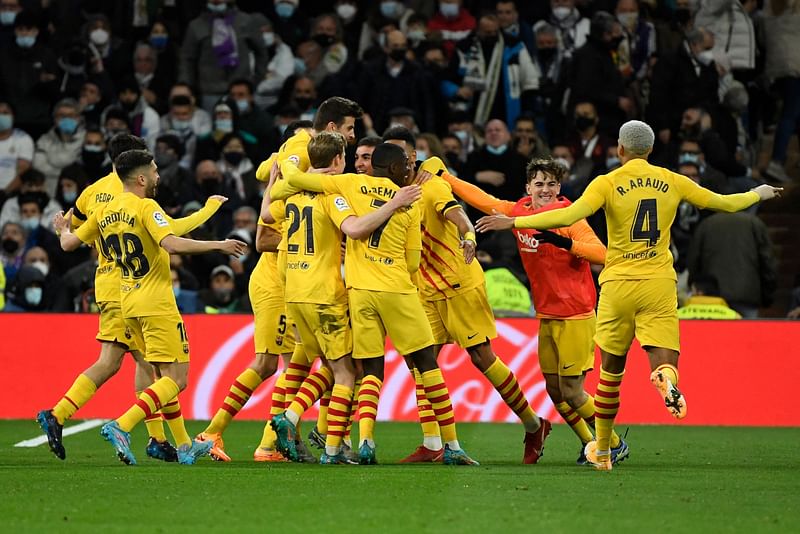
(751, 361)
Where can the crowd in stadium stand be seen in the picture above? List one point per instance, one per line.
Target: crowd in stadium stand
(487, 85)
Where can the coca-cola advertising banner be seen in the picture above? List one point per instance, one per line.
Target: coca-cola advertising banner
(732, 372)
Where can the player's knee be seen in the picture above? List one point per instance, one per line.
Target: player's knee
(572, 392)
(265, 365)
(482, 356)
(424, 359)
(554, 392)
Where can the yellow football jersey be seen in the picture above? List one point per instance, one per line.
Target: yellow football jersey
(295, 149)
(442, 272)
(314, 257)
(640, 201)
(132, 229)
(378, 262)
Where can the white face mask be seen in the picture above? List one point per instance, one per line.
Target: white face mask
(563, 162)
(33, 295)
(269, 38)
(705, 57)
(628, 20)
(99, 36)
(346, 11)
(42, 266)
(560, 13)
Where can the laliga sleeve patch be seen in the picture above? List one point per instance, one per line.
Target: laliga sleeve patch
(159, 218)
(341, 204)
(294, 159)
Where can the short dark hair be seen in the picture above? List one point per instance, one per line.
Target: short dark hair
(524, 116)
(707, 284)
(124, 142)
(370, 140)
(387, 154)
(547, 166)
(129, 162)
(242, 81)
(400, 133)
(32, 176)
(602, 22)
(334, 110)
(180, 100)
(294, 125)
(30, 198)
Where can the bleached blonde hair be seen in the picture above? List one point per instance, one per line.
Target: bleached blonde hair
(637, 137)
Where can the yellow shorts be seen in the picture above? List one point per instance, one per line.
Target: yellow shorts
(566, 347)
(112, 326)
(273, 330)
(324, 329)
(163, 338)
(647, 309)
(466, 318)
(374, 313)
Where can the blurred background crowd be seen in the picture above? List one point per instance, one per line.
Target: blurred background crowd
(485, 85)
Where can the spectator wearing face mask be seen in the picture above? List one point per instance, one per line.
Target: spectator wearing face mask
(12, 249)
(9, 10)
(217, 49)
(453, 22)
(638, 49)
(253, 124)
(510, 25)
(71, 183)
(290, 25)
(144, 121)
(156, 88)
(280, 66)
(452, 151)
(352, 19)
(28, 76)
(153, 86)
(326, 31)
(572, 28)
(92, 101)
(16, 152)
(180, 121)
(687, 78)
(237, 169)
(549, 60)
(37, 257)
(27, 292)
(588, 145)
(113, 53)
(209, 180)
(184, 287)
(37, 234)
(383, 16)
(221, 296)
(172, 177)
(32, 187)
(62, 144)
(94, 158)
(526, 139)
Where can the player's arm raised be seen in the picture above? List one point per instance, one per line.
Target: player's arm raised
(356, 227)
(180, 245)
(457, 216)
(184, 225)
(704, 198)
(585, 243)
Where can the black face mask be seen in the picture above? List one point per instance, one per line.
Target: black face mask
(10, 246)
(683, 15)
(92, 159)
(546, 55)
(211, 186)
(583, 123)
(614, 43)
(304, 102)
(398, 54)
(489, 42)
(324, 40)
(128, 106)
(452, 157)
(234, 158)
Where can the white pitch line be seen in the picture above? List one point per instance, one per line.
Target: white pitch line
(80, 427)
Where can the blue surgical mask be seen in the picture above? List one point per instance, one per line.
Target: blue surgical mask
(217, 8)
(7, 17)
(284, 10)
(299, 65)
(243, 105)
(688, 157)
(391, 9)
(67, 125)
(497, 150)
(159, 41)
(269, 38)
(422, 155)
(181, 125)
(94, 149)
(448, 10)
(612, 162)
(225, 125)
(70, 196)
(30, 223)
(33, 295)
(6, 121)
(26, 41)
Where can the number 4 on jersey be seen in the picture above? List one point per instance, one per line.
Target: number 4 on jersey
(645, 223)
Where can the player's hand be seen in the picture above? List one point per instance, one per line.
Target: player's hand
(62, 222)
(406, 196)
(468, 246)
(546, 236)
(233, 247)
(219, 198)
(766, 192)
(423, 177)
(498, 221)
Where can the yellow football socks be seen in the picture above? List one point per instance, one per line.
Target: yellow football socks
(353, 413)
(341, 401)
(439, 397)
(76, 396)
(432, 437)
(295, 374)
(368, 398)
(312, 389)
(268, 437)
(154, 424)
(587, 412)
(504, 381)
(172, 414)
(150, 401)
(606, 405)
(575, 421)
(322, 417)
(238, 395)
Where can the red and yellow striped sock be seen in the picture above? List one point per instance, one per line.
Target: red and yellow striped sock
(575, 422)
(238, 395)
(154, 424)
(268, 437)
(437, 394)
(431, 436)
(322, 417)
(505, 383)
(296, 373)
(76, 396)
(353, 413)
(586, 411)
(312, 389)
(174, 418)
(368, 397)
(670, 371)
(606, 406)
(341, 401)
(150, 401)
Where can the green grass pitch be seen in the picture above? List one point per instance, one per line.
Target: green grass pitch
(679, 479)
